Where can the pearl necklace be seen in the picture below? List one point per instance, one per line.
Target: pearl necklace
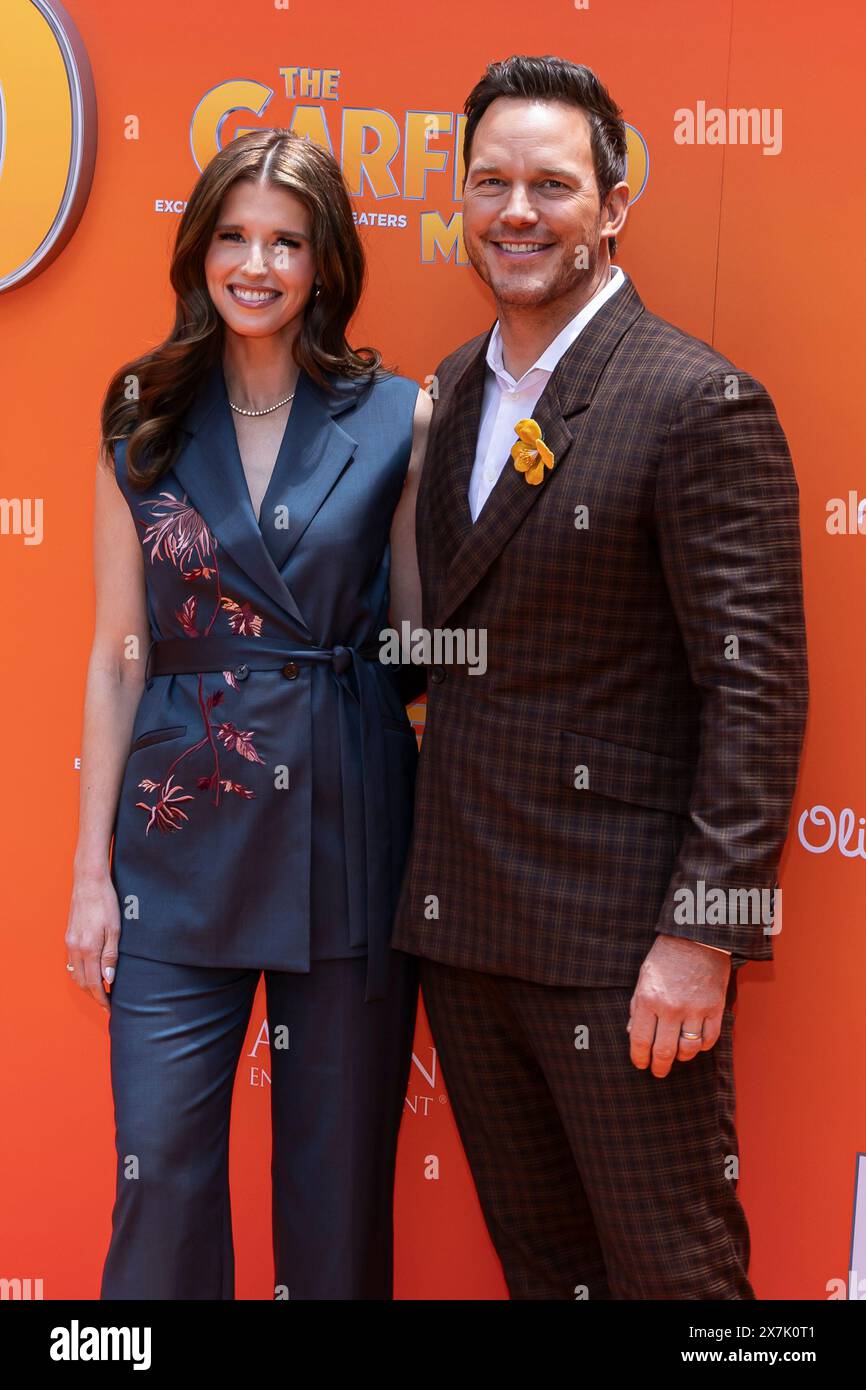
(240, 410)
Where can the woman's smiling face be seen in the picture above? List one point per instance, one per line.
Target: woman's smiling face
(259, 266)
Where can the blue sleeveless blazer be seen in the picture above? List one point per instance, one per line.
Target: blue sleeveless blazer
(266, 804)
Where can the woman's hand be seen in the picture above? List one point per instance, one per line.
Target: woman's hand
(92, 934)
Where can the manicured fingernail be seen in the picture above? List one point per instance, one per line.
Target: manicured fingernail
(108, 973)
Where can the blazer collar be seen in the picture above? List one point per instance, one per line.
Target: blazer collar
(474, 547)
(313, 453)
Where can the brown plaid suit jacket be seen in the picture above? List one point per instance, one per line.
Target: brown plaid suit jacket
(660, 648)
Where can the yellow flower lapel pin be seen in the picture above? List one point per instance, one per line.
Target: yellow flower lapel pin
(531, 455)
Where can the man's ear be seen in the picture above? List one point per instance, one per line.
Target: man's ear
(615, 208)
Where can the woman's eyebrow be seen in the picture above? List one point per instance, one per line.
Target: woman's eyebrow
(239, 227)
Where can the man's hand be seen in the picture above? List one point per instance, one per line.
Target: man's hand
(681, 987)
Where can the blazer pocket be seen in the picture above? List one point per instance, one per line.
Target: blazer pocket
(627, 774)
(158, 736)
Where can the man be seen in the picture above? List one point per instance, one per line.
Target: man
(628, 758)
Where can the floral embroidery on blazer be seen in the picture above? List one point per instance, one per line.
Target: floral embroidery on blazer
(177, 533)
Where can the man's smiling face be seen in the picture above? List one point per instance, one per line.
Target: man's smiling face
(530, 200)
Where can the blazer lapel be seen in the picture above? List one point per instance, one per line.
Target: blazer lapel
(313, 452)
(567, 393)
(459, 433)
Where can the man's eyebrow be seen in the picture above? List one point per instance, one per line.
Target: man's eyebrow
(547, 170)
(560, 173)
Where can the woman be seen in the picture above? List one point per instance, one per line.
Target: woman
(248, 752)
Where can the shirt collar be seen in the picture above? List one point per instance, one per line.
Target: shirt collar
(563, 340)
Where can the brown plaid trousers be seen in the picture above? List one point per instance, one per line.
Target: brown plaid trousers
(596, 1180)
(637, 731)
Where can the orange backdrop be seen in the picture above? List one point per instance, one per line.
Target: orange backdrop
(754, 252)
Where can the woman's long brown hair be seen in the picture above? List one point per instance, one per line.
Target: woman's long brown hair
(147, 397)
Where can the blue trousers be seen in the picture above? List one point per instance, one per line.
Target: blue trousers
(337, 1093)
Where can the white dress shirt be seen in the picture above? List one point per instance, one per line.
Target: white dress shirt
(506, 401)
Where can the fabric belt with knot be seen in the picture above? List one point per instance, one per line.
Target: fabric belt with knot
(368, 856)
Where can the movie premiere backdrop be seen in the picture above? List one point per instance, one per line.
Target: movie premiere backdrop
(745, 229)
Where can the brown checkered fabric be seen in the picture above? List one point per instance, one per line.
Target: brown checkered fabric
(655, 654)
(596, 1180)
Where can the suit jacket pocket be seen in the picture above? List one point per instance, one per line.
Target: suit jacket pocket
(626, 774)
(158, 736)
